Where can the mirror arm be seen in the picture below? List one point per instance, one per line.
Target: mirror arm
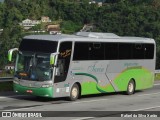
(10, 53)
(55, 66)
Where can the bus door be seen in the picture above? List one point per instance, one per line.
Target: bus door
(62, 67)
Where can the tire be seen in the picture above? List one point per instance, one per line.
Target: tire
(130, 88)
(74, 93)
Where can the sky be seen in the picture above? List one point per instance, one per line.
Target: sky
(1, 0)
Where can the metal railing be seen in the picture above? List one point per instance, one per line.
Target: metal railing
(6, 79)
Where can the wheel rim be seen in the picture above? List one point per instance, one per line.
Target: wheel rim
(74, 92)
(130, 87)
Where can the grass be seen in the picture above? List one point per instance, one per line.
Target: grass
(157, 76)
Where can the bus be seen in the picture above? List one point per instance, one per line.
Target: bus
(82, 64)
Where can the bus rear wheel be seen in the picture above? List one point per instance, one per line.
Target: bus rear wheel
(130, 87)
(74, 93)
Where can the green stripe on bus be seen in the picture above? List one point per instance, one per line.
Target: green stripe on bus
(93, 85)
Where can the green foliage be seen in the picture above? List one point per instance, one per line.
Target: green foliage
(69, 27)
(36, 27)
(157, 76)
(10, 38)
(122, 17)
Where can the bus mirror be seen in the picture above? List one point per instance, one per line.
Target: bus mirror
(52, 58)
(10, 52)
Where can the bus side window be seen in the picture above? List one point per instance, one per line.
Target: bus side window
(111, 51)
(60, 67)
(125, 51)
(96, 51)
(138, 51)
(149, 51)
(81, 50)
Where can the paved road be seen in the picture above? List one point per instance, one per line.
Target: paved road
(147, 100)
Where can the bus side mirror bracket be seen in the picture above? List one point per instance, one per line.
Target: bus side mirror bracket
(53, 57)
(10, 53)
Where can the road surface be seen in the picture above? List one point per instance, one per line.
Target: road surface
(91, 107)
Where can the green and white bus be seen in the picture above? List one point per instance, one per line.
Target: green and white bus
(82, 64)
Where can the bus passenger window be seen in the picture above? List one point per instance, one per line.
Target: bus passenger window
(149, 51)
(111, 51)
(81, 51)
(138, 51)
(125, 51)
(96, 51)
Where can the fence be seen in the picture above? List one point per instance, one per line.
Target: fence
(6, 79)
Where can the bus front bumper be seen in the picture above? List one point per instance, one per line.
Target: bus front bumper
(44, 92)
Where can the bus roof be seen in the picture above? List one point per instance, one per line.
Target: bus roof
(90, 37)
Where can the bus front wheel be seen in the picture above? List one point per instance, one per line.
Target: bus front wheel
(130, 87)
(74, 93)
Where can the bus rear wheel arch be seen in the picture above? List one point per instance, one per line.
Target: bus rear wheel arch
(131, 87)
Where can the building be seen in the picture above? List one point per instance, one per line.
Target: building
(53, 29)
(9, 67)
(45, 19)
(27, 23)
(100, 4)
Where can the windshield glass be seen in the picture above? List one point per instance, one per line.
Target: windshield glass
(33, 66)
(34, 45)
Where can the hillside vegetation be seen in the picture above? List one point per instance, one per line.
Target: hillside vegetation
(122, 17)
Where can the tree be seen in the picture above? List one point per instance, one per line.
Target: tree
(10, 38)
(122, 17)
(1, 15)
(70, 27)
(12, 17)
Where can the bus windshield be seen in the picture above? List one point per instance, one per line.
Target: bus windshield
(33, 66)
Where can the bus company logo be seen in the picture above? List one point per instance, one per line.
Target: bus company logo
(65, 53)
(6, 114)
(130, 64)
(21, 114)
(95, 69)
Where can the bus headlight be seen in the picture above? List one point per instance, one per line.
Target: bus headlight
(47, 85)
